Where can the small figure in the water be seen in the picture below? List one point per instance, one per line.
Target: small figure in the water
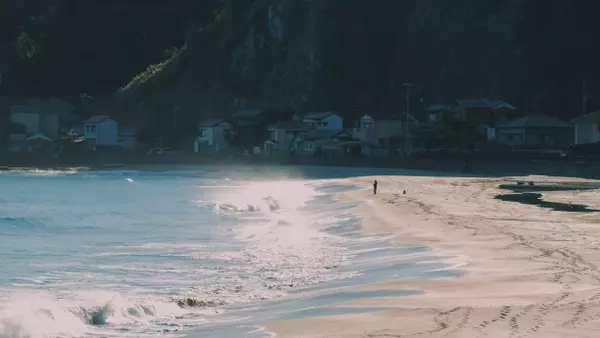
(375, 187)
(403, 192)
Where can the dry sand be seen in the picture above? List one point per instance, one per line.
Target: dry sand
(528, 272)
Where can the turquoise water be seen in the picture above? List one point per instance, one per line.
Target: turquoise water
(111, 253)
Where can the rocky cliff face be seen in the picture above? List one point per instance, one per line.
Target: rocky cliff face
(354, 56)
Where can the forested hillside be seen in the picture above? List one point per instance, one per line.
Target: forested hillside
(208, 57)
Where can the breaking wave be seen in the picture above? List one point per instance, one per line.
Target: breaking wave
(40, 315)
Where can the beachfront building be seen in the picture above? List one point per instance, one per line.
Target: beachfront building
(324, 121)
(127, 137)
(283, 136)
(380, 133)
(213, 134)
(438, 113)
(379, 128)
(101, 130)
(483, 112)
(75, 132)
(32, 120)
(586, 128)
(535, 130)
(323, 143)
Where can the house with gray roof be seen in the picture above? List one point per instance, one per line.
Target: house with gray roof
(101, 130)
(283, 136)
(484, 112)
(586, 128)
(535, 130)
(324, 120)
(214, 134)
(320, 141)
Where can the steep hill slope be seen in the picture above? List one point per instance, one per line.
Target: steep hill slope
(353, 55)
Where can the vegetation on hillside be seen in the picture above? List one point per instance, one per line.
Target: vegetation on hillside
(176, 61)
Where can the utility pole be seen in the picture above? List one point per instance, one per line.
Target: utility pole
(407, 86)
(584, 97)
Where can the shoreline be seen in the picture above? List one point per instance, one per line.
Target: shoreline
(481, 165)
(527, 271)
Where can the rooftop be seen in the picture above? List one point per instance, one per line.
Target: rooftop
(291, 125)
(484, 103)
(211, 122)
(97, 119)
(535, 121)
(247, 113)
(437, 107)
(321, 134)
(317, 115)
(389, 116)
(588, 118)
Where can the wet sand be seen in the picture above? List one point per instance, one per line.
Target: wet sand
(527, 271)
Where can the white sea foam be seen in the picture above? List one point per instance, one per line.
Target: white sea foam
(154, 258)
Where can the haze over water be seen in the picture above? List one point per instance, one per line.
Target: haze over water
(110, 253)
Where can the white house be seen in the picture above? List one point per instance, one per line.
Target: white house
(101, 130)
(324, 121)
(586, 128)
(215, 133)
(282, 136)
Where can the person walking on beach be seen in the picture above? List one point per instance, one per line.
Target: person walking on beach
(375, 187)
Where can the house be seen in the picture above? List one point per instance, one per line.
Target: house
(438, 113)
(378, 131)
(535, 130)
(324, 121)
(214, 133)
(247, 116)
(30, 144)
(379, 128)
(483, 112)
(75, 132)
(586, 128)
(283, 136)
(127, 137)
(33, 120)
(101, 130)
(323, 142)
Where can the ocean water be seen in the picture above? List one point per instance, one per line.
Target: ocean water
(185, 252)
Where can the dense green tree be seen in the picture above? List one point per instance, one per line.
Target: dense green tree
(65, 47)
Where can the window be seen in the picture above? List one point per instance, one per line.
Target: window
(309, 145)
(90, 129)
(202, 132)
(367, 125)
(545, 138)
(272, 135)
(323, 123)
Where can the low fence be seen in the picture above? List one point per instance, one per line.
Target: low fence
(532, 154)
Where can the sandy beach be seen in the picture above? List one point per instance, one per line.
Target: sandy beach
(526, 271)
